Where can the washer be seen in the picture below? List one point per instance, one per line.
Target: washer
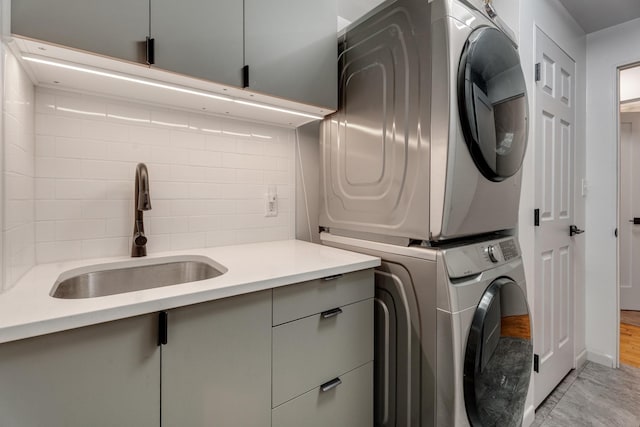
(431, 130)
(453, 342)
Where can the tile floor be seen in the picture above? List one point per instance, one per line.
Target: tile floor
(593, 396)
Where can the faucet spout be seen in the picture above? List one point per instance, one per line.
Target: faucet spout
(142, 201)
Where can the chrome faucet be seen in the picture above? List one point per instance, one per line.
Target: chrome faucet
(142, 203)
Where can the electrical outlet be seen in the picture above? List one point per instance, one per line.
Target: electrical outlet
(271, 202)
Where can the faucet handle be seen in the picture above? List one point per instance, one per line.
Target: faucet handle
(140, 239)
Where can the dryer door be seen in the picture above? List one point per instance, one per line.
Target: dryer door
(498, 357)
(492, 102)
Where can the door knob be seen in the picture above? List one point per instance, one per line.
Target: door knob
(573, 230)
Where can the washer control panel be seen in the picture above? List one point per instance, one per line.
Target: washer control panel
(474, 258)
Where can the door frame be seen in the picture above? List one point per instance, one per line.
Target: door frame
(618, 136)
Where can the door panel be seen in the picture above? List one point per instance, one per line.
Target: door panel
(629, 208)
(555, 118)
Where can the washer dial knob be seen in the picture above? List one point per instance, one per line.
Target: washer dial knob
(491, 251)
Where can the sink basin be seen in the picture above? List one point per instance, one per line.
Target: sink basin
(110, 279)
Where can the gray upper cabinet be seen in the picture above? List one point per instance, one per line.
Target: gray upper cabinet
(291, 49)
(199, 38)
(116, 28)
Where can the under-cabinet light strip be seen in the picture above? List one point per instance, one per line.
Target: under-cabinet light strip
(152, 83)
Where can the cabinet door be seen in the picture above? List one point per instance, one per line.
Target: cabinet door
(116, 28)
(100, 375)
(291, 49)
(216, 365)
(199, 38)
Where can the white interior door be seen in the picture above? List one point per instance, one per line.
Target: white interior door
(629, 234)
(554, 250)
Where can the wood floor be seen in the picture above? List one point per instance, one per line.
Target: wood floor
(630, 344)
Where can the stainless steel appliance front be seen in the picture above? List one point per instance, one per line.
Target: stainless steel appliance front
(427, 143)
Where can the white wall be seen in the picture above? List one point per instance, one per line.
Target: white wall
(606, 50)
(208, 177)
(18, 226)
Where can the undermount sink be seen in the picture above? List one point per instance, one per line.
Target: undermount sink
(110, 279)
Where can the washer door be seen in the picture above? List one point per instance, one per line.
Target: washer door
(492, 102)
(498, 357)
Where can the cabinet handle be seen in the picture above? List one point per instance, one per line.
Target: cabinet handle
(330, 384)
(151, 51)
(331, 313)
(335, 276)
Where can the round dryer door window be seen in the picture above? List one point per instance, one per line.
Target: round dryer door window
(498, 357)
(492, 102)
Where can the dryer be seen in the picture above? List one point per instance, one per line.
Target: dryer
(453, 343)
(431, 130)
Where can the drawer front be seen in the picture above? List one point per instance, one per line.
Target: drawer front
(349, 404)
(314, 350)
(307, 298)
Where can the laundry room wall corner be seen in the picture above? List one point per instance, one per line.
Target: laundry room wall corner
(607, 50)
(307, 182)
(550, 17)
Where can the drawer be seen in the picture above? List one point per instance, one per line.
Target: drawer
(314, 350)
(349, 404)
(304, 299)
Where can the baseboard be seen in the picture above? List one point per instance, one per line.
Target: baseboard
(603, 359)
(581, 359)
(529, 416)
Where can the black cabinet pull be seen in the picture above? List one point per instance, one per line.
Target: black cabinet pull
(334, 277)
(635, 221)
(330, 384)
(163, 326)
(151, 51)
(331, 313)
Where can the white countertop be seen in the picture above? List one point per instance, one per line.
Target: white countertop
(27, 310)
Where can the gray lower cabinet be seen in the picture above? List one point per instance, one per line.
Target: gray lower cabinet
(323, 352)
(346, 405)
(100, 375)
(299, 355)
(115, 28)
(216, 365)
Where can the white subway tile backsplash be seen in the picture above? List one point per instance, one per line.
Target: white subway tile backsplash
(58, 251)
(208, 177)
(188, 140)
(74, 148)
(168, 225)
(45, 231)
(47, 210)
(18, 169)
(214, 141)
(71, 189)
(106, 131)
(221, 238)
(205, 158)
(188, 241)
(118, 227)
(79, 229)
(140, 134)
(98, 248)
(249, 176)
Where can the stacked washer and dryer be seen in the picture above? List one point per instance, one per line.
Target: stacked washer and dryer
(421, 167)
